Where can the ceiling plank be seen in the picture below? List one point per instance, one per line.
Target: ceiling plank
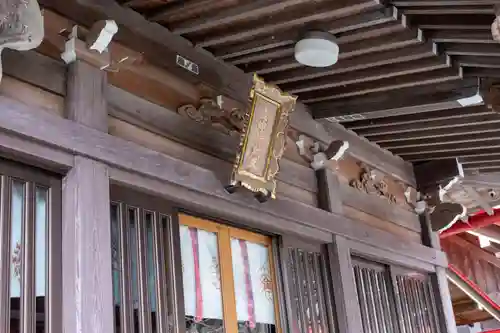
(442, 3)
(249, 11)
(349, 42)
(481, 72)
(480, 159)
(452, 154)
(492, 50)
(431, 124)
(412, 80)
(410, 53)
(370, 46)
(489, 180)
(458, 22)
(337, 27)
(372, 74)
(483, 165)
(452, 113)
(189, 9)
(434, 133)
(483, 138)
(459, 36)
(306, 16)
(449, 10)
(405, 101)
(477, 61)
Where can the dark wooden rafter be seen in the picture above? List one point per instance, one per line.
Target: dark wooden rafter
(337, 27)
(406, 58)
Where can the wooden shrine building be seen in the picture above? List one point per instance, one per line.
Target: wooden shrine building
(249, 166)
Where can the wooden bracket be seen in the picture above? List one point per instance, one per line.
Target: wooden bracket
(93, 46)
(320, 156)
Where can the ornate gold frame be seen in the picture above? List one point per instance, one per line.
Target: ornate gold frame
(263, 140)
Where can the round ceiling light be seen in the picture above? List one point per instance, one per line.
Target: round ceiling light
(317, 49)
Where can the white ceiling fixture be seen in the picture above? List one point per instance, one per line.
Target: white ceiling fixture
(317, 49)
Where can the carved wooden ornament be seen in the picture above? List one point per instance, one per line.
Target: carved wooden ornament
(263, 140)
(371, 182)
(21, 26)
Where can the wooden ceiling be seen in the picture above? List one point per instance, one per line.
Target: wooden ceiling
(402, 65)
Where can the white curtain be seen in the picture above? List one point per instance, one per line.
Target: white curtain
(17, 211)
(259, 273)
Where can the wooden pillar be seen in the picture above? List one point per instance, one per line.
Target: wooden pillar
(346, 302)
(439, 280)
(86, 95)
(329, 198)
(87, 274)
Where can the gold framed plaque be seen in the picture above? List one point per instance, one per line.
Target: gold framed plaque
(263, 140)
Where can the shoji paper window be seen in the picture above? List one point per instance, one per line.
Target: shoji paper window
(228, 277)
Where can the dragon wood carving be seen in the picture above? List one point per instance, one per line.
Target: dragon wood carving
(367, 182)
(230, 122)
(21, 25)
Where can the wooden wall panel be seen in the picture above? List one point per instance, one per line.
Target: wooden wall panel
(163, 130)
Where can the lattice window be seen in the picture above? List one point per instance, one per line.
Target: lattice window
(394, 300)
(30, 255)
(142, 275)
(309, 291)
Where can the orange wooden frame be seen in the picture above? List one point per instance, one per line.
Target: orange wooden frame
(224, 234)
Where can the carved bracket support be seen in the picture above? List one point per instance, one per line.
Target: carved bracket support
(320, 156)
(210, 112)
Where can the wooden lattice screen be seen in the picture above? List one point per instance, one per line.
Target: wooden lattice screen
(30, 251)
(308, 289)
(394, 300)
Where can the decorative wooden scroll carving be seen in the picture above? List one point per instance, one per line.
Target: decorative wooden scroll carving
(21, 25)
(263, 140)
(372, 183)
(209, 112)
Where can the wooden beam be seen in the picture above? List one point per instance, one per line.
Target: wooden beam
(478, 61)
(487, 50)
(492, 231)
(442, 3)
(448, 140)
(447, 148)
(350, 43)
(410, 53)
(452, 154)
(308, 15)
(452, 22)
(372, 74)
(87, 277)
(435, 133)
(161, 48)
(187, 184)
(425, 114)
(457, 36)
(289, 37)
(401, 103)
(183, 11)
(433, 173)
(449, 10)
(241, 13)
(490, 180)
(411, 80)
(432, 124)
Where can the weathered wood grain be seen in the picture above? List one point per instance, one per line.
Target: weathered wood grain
(87, 277)
(86, 96)
(329, 195)
(348, 312)
(82, 140)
